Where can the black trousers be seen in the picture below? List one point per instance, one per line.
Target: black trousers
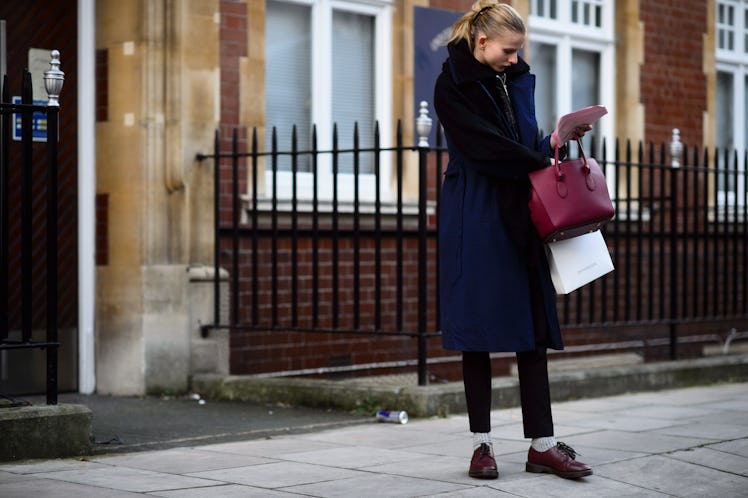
(532, 367)
(537, 419)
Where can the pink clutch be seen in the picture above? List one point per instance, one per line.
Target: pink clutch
(569, 198)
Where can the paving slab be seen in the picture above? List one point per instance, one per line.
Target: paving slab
(447, 468)
(225, 491)
(714, 459)
(6, 477)
(675, 477)
(587, 487)
(476, 492)
(626, 422)
(123, 478)
(389, 436)
(636, 441)
(705, 430)
(730, 417)
(688, 396)
(277, 475)
(351, 457)
(377, 485)
(181, 460)
(463, 446)
(736, 447)
(669, 412)
(52, 488)
(271, 446)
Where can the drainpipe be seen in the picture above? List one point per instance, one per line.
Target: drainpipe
(86, 195)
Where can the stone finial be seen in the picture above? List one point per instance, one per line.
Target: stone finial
(53, 79)
(423, 125)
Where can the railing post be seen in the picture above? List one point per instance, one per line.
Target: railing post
(676, 148)
(5, 131)
(216, 232)
(235, 208)
(53, 81)
(423, 127)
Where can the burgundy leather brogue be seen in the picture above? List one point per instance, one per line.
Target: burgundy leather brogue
(559, 460)
(483, 464)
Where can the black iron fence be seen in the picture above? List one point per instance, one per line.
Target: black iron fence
(299, 261)
(28, 229)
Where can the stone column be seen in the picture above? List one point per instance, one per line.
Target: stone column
(163, 90)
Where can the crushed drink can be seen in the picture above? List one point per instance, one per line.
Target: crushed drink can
(393, 416)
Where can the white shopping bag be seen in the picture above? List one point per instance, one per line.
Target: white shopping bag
(578, 261)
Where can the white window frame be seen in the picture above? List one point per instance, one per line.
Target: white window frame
(735, 62)
(321, 105)
(566, 37)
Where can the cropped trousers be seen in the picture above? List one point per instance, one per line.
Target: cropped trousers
(532, 367)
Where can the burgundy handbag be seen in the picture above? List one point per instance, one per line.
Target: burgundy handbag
(569, 198)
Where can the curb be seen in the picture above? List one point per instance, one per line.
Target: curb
(45, 431)
(449, 398)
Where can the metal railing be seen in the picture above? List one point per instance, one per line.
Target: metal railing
(17, 239)
(679, 244)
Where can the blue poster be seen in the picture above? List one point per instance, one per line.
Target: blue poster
(431, 32)
(38, 123)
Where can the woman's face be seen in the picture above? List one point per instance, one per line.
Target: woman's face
(499, 52)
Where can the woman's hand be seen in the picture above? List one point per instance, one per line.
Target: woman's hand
(576, 134)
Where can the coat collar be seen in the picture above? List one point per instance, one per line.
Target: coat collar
(466, 68)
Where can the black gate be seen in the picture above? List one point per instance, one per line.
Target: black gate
(28, 230)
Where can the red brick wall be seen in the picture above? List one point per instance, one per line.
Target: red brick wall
(457, 5)
(257, 351)
(233, 45)
(673, 86)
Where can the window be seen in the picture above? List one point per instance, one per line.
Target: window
(353, 82)
(328, 63)
(572, 53)
(587, 13)
(287, 89)
(726, 26)
(732, 90)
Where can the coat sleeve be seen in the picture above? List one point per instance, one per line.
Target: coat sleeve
(480, 140)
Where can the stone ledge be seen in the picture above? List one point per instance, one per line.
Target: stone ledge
(448, 398)
(45, 431)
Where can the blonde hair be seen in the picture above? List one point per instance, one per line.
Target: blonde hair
(490, 17)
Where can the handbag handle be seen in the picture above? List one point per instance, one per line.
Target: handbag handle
(560, 176)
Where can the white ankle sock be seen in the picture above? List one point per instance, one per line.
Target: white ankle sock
(543, 443)
(480, 438)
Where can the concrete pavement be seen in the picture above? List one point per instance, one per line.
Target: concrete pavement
(680, 442)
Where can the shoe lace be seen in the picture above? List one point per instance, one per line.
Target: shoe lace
(485, 449)
(568, 450)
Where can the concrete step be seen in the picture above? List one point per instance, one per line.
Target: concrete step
(44, 431)
(625, 374)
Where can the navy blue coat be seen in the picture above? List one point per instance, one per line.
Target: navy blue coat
(489, 249)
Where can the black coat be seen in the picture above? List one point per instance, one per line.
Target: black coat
(489, 248)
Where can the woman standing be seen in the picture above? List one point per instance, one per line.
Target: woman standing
(496, 290)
